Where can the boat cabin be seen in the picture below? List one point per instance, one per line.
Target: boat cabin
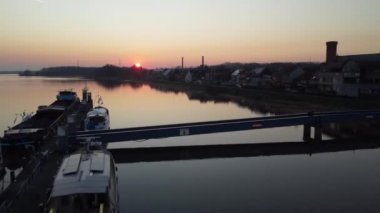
(86, 182)
(97, 119)
(66, 95)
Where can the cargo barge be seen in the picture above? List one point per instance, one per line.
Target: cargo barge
(33, 130)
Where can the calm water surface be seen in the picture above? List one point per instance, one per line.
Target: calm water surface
(333, 182)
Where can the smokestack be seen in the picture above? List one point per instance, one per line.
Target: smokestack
(331, 52)
(182, 62)
(203, 61)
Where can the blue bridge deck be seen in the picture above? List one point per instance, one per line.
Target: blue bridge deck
(308, 120)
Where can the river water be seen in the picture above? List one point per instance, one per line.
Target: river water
(332, 182)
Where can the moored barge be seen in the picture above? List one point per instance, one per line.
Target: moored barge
(34, 130)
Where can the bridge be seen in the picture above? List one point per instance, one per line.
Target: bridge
(308, 120)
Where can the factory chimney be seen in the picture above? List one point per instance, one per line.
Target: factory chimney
(331, 52)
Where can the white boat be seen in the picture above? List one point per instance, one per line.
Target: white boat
(86, 182)
(97, 119)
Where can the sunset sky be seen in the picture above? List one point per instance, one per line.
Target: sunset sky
(156, 33)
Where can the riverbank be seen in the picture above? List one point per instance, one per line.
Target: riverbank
(267, 100)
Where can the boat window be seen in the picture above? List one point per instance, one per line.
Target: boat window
(77, 203)
(97, 119)
(65, 200)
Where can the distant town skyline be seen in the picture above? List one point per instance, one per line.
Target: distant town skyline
(157, 33)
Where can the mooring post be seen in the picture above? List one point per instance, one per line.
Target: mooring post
(71, 121)
(307, 129)
(306, 132)
(62, 140)
(318, 133)
(318, 130)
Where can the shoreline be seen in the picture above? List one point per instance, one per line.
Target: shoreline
(266, 100)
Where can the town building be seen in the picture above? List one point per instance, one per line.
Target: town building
(350, 75)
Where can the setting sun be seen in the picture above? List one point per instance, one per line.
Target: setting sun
(138, 65)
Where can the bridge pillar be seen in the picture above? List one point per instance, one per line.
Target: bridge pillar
(306, 133)
(318, 132)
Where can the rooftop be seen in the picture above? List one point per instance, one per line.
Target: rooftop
(83, 173)
(361, 57)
